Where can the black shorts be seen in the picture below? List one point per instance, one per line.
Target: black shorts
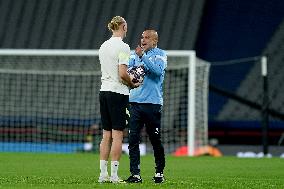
(113, 110)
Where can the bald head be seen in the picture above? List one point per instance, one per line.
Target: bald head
(153, 34)
(149, 39)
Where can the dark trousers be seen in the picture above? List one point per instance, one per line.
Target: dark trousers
(150, 116)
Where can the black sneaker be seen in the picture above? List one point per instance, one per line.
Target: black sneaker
(134, 179)
(159, 178)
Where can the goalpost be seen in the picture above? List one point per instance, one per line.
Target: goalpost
(186, 101)
(49, 101)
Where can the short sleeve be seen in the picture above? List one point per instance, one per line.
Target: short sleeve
(124, 54)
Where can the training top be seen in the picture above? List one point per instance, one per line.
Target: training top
(151, 90)
(112, 53)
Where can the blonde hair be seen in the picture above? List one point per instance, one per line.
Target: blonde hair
(115, 23)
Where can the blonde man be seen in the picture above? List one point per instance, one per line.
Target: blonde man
(114, 93)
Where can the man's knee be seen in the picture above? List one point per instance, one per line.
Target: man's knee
(134, 138)
(106, 136)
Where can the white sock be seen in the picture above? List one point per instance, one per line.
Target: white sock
(103, 167)
(114, 168)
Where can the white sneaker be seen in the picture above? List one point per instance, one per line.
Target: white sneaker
(116, 180)
(103, 178)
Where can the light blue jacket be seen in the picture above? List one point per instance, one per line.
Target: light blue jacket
(151, 90)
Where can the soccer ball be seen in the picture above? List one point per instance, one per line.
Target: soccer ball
(137, 74)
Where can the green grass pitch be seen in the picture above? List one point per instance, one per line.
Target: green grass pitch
(38, 170)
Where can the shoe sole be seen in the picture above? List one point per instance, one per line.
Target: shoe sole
(118, 182)
(105, 181)
(158, 182)
(133, 182)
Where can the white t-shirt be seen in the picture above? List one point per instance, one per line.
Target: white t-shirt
(112, 53)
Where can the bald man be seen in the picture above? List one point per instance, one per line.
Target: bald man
(146, 104)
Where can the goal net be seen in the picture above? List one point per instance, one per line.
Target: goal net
(49, 101)
(185, 115)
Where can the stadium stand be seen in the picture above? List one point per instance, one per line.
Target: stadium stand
(234, 111)
(217, 29)
(65, 24)
(252, 81)
(241, 29)
(81, 24)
